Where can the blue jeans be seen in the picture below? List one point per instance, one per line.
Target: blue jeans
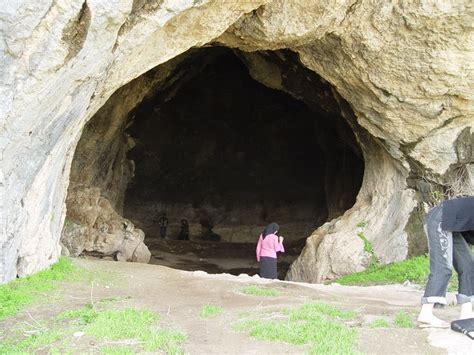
(162, 232)
(447, 249)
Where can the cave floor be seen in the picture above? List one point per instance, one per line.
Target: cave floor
(178, 296)
(214, 257)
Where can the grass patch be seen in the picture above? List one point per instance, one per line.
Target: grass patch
(85, 315)
(137, 329)
(127, 324)
(403, 320)
(314, 324)
(23, 292)
(259, 291)
(379, 323)
(117, 350)
(208, 311)
(415, 270)
(309, 311)
(40, 339)
(112, 299)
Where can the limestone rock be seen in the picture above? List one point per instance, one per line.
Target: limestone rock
(97, 228)
(141, 254)
(73, 238)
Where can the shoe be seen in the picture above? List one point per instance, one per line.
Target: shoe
(435, 323)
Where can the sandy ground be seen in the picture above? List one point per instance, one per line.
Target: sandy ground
(179, 295)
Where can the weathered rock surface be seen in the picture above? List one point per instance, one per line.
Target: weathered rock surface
(405, 69)
(39, 77)
(93, 226)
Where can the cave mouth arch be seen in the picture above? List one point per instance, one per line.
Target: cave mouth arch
(202, 138)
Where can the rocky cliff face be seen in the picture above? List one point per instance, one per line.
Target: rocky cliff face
(402, 74)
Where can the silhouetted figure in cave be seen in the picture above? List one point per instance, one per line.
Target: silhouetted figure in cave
(163, 223)
(184, 234)
(206, 231)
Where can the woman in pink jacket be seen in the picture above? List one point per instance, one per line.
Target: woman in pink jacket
(269, 244)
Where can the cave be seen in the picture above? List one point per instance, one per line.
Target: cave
(396, 74)
(214, 146)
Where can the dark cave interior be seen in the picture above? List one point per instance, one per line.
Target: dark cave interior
(230, 155)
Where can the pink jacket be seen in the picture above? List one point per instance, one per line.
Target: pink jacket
(269, 246)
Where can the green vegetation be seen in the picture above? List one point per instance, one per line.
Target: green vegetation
(132, 330)
(316, 324)
(41, 339)
(314, 310)
(22, 292)
(415, 270)
(453, 283)
(118, 350)
(127, 324)
(112, 299)
(259, 291)
(403, 320)
(379, 323)
(137, 329)
(208, 311)
(368, 246)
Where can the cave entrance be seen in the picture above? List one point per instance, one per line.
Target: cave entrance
(229, 155)
(201, 138)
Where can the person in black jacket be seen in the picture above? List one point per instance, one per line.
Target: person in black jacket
(444, 226)
(163, 223)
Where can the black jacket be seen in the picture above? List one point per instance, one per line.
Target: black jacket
(469, 236)
(458, 214)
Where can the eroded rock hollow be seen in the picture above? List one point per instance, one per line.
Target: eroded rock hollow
(389, 84)
(210, 144)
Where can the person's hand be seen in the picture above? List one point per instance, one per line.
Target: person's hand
(280, 239)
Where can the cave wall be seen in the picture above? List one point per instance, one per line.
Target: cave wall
(404, 68)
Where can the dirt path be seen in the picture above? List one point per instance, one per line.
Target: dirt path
(179, 295)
